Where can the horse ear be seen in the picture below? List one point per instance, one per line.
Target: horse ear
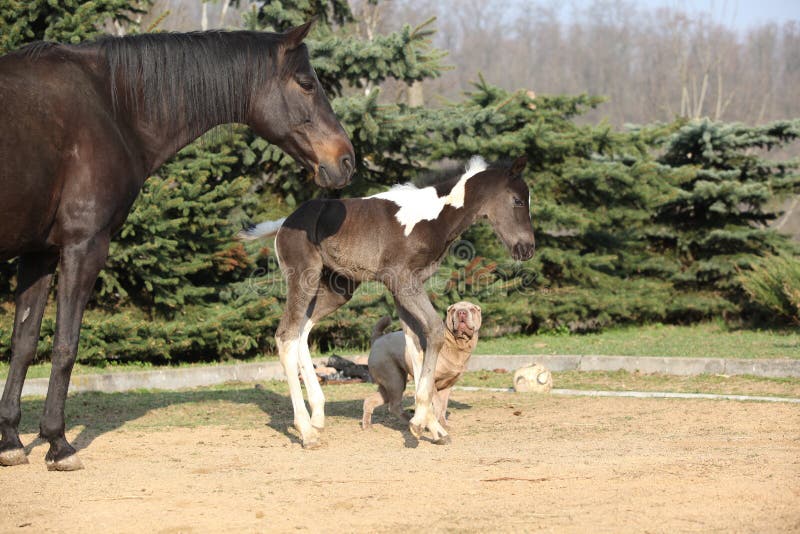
(293, 37)
(519, 165)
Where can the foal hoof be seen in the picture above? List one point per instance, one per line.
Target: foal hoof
(443, 440)
(13, 457)
(70, 463)
(416, 430)
(311, 444)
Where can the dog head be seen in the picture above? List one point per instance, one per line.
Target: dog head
(463, 319)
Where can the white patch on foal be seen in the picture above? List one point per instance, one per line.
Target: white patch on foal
(424, 204)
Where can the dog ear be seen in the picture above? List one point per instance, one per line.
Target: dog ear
(476, 308)
(449, 315)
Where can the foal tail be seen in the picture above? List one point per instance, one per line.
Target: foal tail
(380, 326)
(264, 229)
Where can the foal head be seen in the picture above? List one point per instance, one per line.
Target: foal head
(508, 208)
(293, 112)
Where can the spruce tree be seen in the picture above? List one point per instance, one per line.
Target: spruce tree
(65, 21)
(719, 216)
(634, 226)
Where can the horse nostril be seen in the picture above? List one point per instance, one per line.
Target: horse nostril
(346, 163)
(324, 179)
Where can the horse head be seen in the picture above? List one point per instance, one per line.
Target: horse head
(508, 209)
(292, 111)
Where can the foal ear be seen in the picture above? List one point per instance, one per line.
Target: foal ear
(519, 165)
(293, 37)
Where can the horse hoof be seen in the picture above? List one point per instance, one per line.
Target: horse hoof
(311, 444)
(444, 440)
(13, 457)
(416, 430)
(70, 463)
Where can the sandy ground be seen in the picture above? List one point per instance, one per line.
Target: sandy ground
(516, 464)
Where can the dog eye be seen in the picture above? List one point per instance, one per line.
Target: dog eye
(518, 203)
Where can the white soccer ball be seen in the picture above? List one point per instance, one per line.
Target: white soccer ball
(534, 379)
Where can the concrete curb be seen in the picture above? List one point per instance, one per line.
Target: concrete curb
(644, 364)
(643, 394)
(189, 377)
(168, 379)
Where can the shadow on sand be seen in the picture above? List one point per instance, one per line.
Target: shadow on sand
(98, 413)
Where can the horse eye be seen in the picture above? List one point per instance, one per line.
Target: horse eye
(518, 203)
(306, 85)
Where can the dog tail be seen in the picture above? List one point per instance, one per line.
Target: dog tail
(264, 229)
(380, 326)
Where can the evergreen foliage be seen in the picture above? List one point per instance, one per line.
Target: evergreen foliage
(176, 248)
(724, 182)
(650, 224)
(66, 21)
(773, 283)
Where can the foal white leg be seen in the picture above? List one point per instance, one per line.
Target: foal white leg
(316, 398)
(414, 353)
(290, 354)
(424, 413)
(415, 303)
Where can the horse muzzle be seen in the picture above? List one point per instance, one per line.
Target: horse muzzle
(337, 175)
(523, 251)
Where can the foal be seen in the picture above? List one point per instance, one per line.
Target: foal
(326, 248)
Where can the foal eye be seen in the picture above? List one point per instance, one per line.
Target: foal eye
(518, 203)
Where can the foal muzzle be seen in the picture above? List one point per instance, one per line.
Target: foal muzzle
(523, 251)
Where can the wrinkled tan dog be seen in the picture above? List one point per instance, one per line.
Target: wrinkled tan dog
(390, 365)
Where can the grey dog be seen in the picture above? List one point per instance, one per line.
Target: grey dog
(390, 363)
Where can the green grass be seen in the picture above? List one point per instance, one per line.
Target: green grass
(706, 340)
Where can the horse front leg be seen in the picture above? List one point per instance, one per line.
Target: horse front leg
(80, 264)
(34, 274)
(420, 318)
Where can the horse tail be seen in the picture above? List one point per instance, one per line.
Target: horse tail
(264, 229)
(380, 326)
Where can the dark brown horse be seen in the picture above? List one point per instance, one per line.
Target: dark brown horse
(326, 248)
(81, 128)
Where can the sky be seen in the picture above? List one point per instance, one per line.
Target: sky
(738, 14)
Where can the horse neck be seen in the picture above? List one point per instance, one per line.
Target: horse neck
(178, 99)
(457, 220)
(161, 139)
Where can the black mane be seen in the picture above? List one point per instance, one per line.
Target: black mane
(186, 77)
